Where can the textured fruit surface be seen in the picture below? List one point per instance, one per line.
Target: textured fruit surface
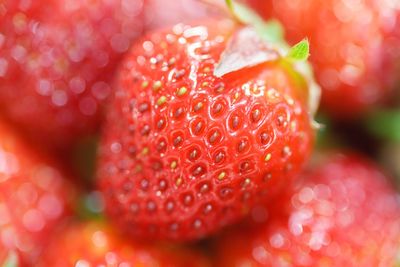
(34, 197)
(343, 213)
(96, 244)
(185, 153)
(355, 47)
(57, 60)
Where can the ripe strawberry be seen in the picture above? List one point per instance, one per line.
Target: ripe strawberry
(343, 213)
(34, 197)
(185, 152)
(96, 244)
(57, 59)
(355, 48)
(160, 13)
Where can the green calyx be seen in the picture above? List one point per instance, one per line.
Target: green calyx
(271, 31)
(300, 51)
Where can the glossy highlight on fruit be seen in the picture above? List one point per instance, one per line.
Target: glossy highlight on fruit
(344, 212)
(184, 152)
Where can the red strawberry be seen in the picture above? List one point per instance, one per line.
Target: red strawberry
(96, 244)
(185, 152)
(160, 13)
(34, 197)
(57, 59)
(355, 47)
(343, 213)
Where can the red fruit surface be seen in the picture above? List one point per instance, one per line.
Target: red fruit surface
(161, 13)
(97, 244)
(355, 48)
(34, 197)
(57, 59)
(184, 152)
(343, 213)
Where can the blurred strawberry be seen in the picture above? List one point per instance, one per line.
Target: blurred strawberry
(355, 47)
(57, 59)
(34, 197)
(161, 13)
(97, 244)
(193, 140)
(343, 213)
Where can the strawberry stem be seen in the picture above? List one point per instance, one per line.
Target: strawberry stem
(271, 30)
(229, 3)
(233, 13)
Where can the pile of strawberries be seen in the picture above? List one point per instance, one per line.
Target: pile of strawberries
(180, 133)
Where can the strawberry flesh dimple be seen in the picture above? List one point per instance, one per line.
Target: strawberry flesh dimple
(184, 152)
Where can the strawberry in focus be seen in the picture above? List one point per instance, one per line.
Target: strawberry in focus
(355, 48)
(57, 59)
(34, 197)
(342, 213)
(97, 244)
(184, 152)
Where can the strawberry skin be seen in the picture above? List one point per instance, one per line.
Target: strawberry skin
(160, 13)
(184, 152)
(343, 213)
(355, 54)
(56, 62)
(34, 197)
(97, 244)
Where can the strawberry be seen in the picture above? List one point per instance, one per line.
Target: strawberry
(57, 59)
(34, 197)
(97, 244)
(195, 136)
(342, 213)
(355, 48)
(160, 13)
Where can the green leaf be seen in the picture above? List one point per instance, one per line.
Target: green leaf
(229, 3)
(11, 260)
(300, 51)
(385, 124)
(271, 31)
